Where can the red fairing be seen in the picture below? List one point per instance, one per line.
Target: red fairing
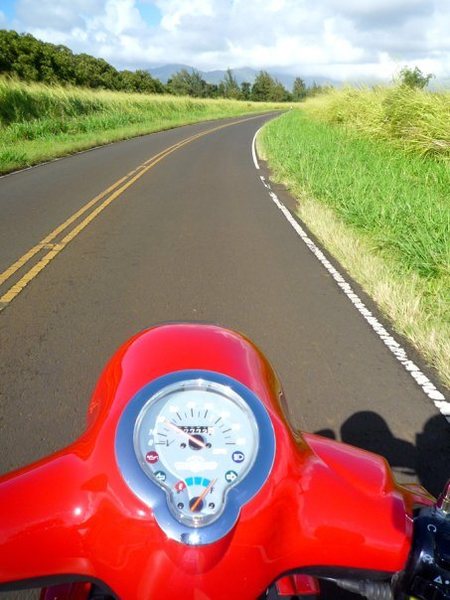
(324, 503)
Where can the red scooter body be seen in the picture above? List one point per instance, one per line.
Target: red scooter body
(72, 516)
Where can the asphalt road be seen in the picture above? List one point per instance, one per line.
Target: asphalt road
(195, 237)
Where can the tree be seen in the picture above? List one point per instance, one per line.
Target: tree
(414, 78)
(315, 89)
(246, 89)
(26, 56)
(299, 91)
(262, 87)
(268, 89)
(30, 59)
(212, 90)
(8, 50)
(63, 64)
(279, 93)
(94, 72)
(229, 87)
(144, 83)
(185, 83)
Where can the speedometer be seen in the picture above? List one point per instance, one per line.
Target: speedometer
(196, 439)
(195, 446)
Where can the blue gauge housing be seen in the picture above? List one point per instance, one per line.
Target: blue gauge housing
(174, 468)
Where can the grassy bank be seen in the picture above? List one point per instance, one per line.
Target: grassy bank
(39, 122)
(416, 121)
(382, 211)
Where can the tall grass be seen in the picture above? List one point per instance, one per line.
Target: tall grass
(396, 202)
(418, 121)
(38, 122)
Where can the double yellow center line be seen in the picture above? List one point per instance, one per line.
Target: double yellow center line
(93, 208)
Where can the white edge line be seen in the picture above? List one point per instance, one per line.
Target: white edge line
(255, 158)
(396, 349)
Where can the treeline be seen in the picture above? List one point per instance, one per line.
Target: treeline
(29, 59)
(265, 88)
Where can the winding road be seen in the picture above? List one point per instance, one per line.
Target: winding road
(179, 225)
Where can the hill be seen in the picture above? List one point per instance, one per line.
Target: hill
(165, 72)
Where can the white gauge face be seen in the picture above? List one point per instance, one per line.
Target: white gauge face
(196, 439)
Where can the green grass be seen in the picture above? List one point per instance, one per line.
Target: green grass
(416, 121)
(395, 202)
(39, 122)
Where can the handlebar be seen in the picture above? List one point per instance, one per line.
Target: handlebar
(426, 575)
(427, 571)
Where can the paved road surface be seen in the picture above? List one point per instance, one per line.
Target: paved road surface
(195, 237)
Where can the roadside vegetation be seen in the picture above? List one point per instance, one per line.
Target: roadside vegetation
(412, 119)
(26, 58)
(39, 122)
(371, 171)
(54, 102)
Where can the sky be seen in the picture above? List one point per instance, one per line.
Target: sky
(344, 40)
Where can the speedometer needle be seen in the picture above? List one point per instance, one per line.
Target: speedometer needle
(190, 437)
(202, 495)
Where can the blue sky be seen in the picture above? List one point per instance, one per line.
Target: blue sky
(148, 10)
(8, 8)
(150, 13)
(339, 39)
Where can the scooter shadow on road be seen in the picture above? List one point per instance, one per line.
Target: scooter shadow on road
(428, 459)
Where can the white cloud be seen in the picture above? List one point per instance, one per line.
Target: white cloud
(2, 19)
(175, 12)
(371, 13)
(334, 38)
(56, 16)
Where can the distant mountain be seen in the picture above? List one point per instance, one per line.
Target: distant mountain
(165, 72)
(241, 74)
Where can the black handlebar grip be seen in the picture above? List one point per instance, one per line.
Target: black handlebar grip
(427, 572)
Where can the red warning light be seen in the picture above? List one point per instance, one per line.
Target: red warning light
(152, 457)
(180, 486)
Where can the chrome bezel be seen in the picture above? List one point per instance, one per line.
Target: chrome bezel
(152, 406)
(150, 492)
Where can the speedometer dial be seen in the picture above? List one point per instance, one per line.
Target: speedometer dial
(195, 446)
(196, 439)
